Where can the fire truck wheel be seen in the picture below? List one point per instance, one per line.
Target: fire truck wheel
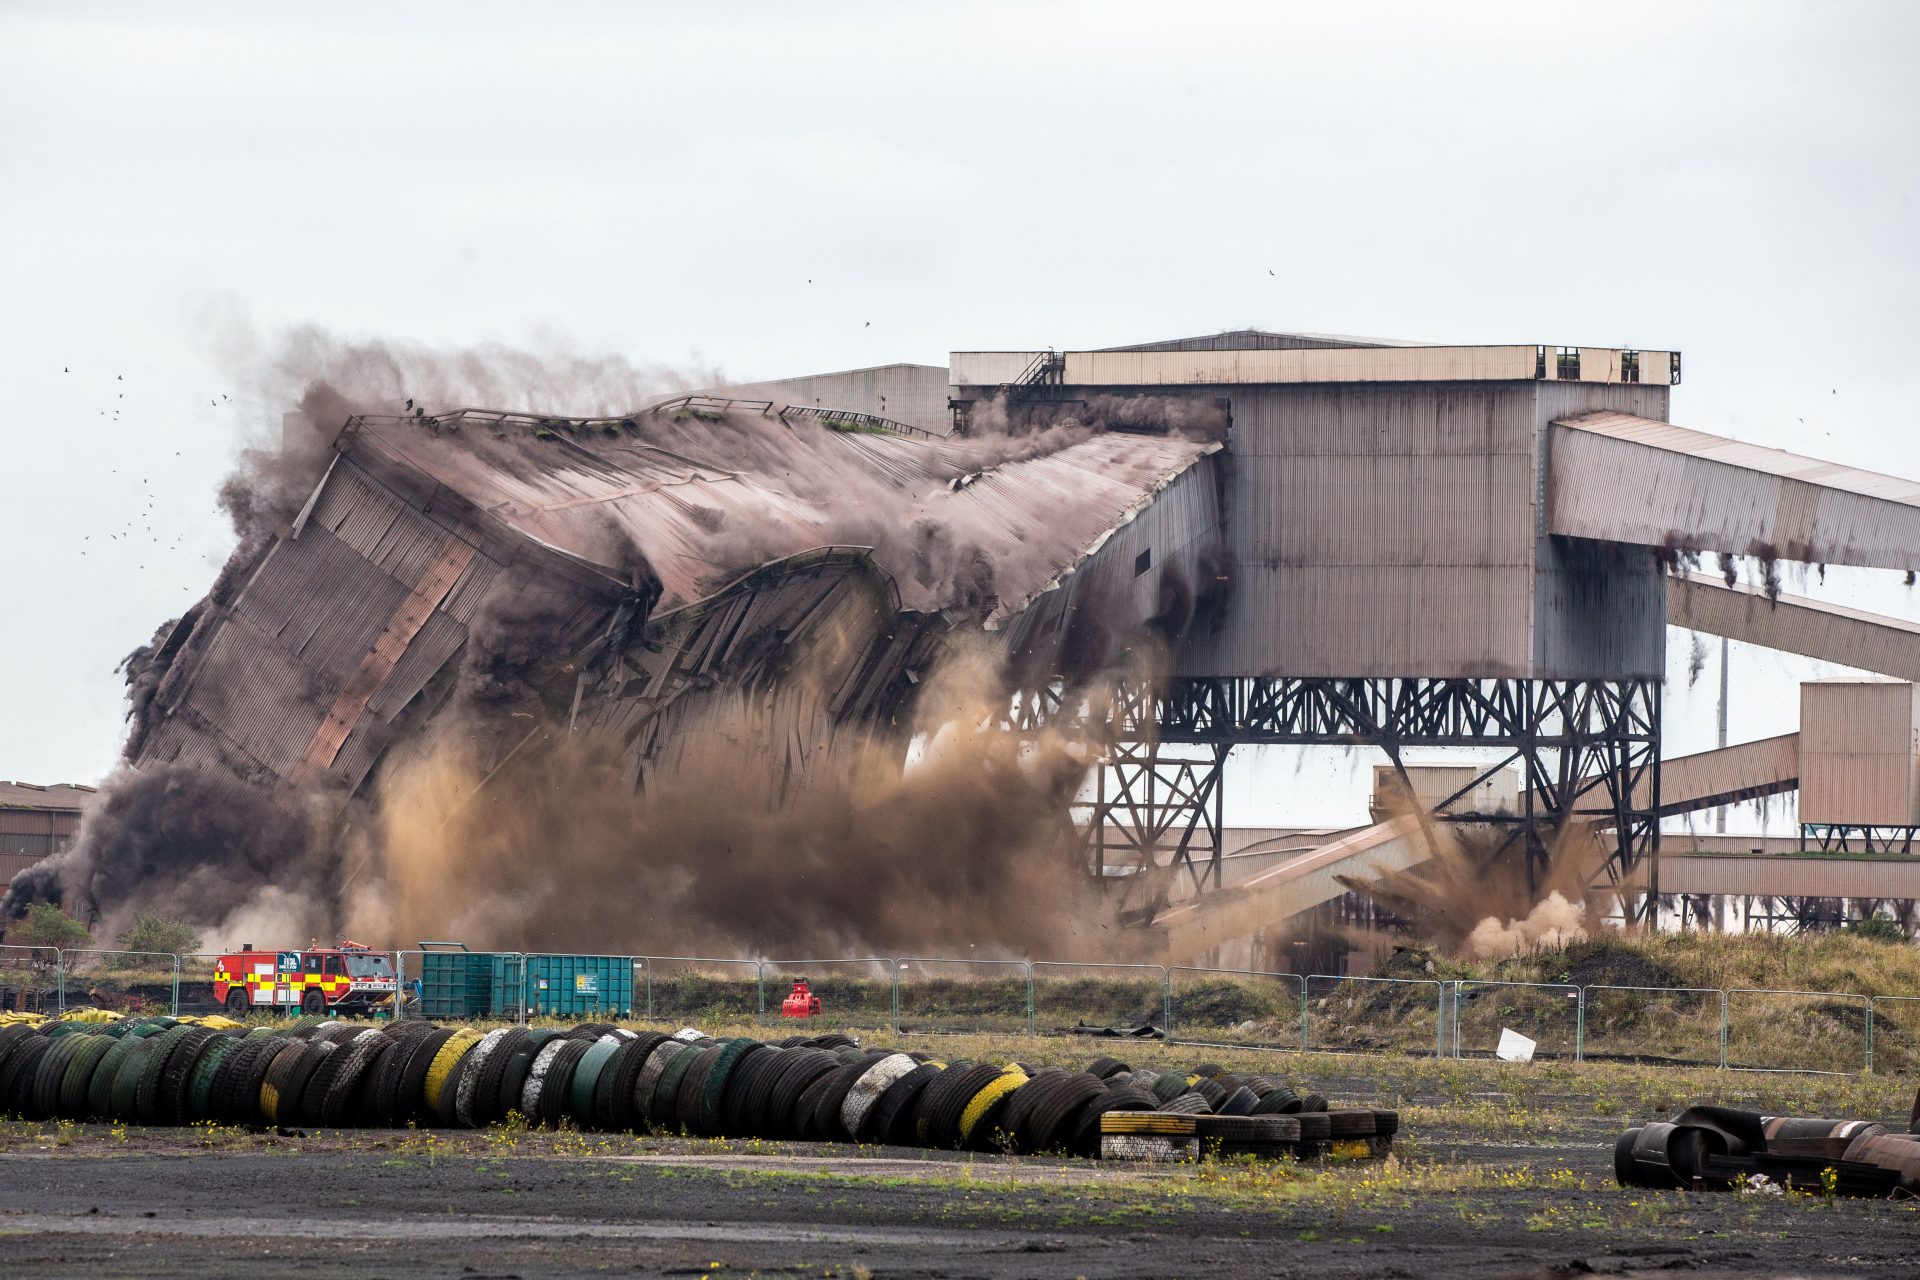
(313, 1003)
(239, 1004)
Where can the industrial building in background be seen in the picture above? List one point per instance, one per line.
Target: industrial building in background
(1343, 541)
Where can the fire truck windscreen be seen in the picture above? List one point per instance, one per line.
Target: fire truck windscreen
(369, 967)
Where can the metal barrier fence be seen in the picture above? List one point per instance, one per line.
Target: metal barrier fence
(1654, 1024)
(702, 988)
(1891, 1042)
(1374, 1015)
(133, 982)
(1752, 1029)
(1092, 996)
(30, 980)
(1827, 1032)
(854, 995)
(1245, 1007)
(1550, 1014)
(935, 995)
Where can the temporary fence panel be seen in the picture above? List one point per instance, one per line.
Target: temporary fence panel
(202, 992)
(1654, 1024)
(854, 994)
(1891, 1039)
(132, 982)
(1546, 1013)
(1069, 996)
(1373, 1015)
(699, 990)
(575, 987)
(1824, 1031)
(1235, 1006)
(29, 980)
(963, 995)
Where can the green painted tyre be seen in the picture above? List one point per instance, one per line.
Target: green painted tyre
(586, 1078)
(198, 1103)
(100, 1085)
(89, 1053)
(125, 1102)
(169, 1097)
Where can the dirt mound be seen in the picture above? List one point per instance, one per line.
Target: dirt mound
(1609, 965)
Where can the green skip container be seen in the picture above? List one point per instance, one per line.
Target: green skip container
(457, 984)
(579, 987)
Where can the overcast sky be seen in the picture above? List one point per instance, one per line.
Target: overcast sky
(777, 189)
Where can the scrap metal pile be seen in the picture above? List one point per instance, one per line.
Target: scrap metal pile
(1721, 1149)
(319, 1073)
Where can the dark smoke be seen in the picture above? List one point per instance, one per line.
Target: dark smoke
(173, 841)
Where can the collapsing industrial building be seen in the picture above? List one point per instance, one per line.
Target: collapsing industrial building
(1176, 549)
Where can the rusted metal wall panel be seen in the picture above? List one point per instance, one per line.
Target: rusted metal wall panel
(1795, 624)
(1859, 751)
(258, 694)
(321, 600)
(1620, 478)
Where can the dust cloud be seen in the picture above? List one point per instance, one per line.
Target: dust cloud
(941, 831)
(1554, 922)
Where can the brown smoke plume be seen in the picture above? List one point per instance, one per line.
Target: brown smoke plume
(1470, 896)
(871, 852)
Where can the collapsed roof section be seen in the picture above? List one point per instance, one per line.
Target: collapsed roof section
(622, 569)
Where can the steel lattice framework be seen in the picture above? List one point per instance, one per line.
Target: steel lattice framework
(1589, 749)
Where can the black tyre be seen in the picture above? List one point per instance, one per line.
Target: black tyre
(613, 1097)
(1085, 1141)
(747, 1088)
(1102, 1067)
(892, 1119)
(380, 1095)
(825, 1124)
(198, 1102)
(1054, 1126)
(648, 1081)
(693, 1085)
(19, 1074)
(479, 1088)
(239, 1002)
(313, 1004)
(945, 1101)
(586, 1080)
(313, 1099)
(1240, 1102)
(710, 1121)
(235, 1098)
(509, 1099)
(282, 1095)
(663, 1113)
(776, 1117)
(51, 1072)
(410, 1098)
(149, 1053)
(170, 1099)
(554, 1094)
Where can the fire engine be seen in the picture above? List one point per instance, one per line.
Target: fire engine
(349, 978)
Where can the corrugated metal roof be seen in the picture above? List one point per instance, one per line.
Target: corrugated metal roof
(1262, 340)
(57, 795)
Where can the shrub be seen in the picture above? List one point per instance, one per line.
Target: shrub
(1879, 929)
(155, 934)
(48, 926)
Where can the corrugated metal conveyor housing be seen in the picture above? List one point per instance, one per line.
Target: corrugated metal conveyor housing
(1614, 477)
(1783, 875)
(1202, 925)
(1796, 624)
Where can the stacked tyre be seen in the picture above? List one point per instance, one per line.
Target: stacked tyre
(319, 1073)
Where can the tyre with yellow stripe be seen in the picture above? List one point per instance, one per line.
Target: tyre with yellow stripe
(974, 1129)
(457, 1046)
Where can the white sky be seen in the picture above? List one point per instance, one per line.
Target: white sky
(1736, 180)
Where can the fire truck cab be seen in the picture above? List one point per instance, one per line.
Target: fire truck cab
(349, 978)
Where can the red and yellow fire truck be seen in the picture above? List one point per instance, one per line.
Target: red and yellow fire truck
(349, 978)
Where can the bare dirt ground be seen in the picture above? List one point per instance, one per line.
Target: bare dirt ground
(1497, 1174)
